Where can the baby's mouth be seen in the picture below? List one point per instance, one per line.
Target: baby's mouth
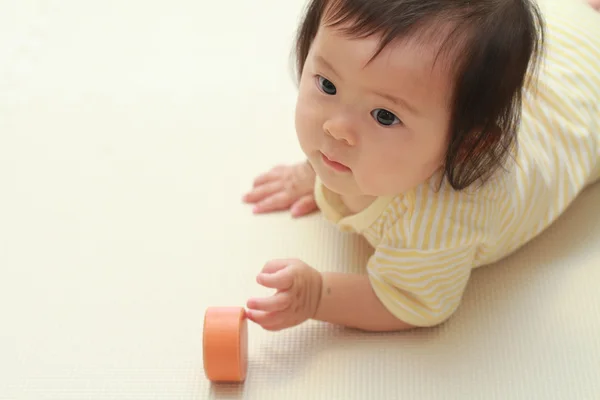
(335, 165)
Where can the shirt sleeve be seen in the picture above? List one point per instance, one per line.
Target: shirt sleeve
(420, 287)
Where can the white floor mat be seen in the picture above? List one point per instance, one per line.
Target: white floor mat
(129, 131)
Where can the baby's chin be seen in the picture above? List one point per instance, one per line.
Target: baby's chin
(343, 186)
(347, 186)
(353, 184)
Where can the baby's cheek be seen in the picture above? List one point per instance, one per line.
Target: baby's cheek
(393, 170)
(307, 120)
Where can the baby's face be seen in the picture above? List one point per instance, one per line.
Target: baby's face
(386, 122)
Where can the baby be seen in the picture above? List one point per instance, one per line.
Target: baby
(447, 133)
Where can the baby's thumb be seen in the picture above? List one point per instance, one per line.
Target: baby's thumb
(304, 205)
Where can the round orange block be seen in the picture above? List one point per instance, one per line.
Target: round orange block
(225, 344)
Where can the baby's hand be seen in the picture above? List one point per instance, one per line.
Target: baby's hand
(284, 187)
(296, 300)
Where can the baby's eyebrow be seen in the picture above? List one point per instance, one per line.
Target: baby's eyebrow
(398, 101)
(327, 64)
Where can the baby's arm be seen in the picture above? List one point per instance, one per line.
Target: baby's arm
(349, 300)
(305, 293)
(404, 288)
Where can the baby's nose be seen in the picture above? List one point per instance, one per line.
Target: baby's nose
(340, 130)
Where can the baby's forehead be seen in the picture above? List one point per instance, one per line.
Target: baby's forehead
(429, 50)
(414, 62)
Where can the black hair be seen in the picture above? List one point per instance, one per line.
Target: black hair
(496, 43)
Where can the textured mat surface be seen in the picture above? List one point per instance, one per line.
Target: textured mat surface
(129, 131)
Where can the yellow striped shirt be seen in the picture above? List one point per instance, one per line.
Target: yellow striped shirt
(427, 241)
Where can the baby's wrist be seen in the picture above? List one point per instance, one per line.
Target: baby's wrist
(317, 292)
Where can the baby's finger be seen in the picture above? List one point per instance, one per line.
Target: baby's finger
(259, 317)
(261, 192)
(280, 280)
(304, 205)
(268, 320)
(278, 201)
(276, 265)
(277, 302)
(273, 174)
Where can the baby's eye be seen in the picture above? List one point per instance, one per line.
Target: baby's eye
(384, 117)
(326, 86)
